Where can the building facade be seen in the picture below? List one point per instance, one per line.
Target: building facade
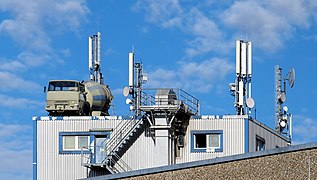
(78, 147)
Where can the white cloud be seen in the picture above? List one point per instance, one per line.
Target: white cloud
(193, 76)
(16, 151)
(208, 36)
(12, 65)
(10, 81)
(30, 24)
(304, 129)
(267, 23)
(19, 103)
(163, 13)
(171, 14)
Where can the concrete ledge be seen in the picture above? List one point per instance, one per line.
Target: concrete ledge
(208, 162)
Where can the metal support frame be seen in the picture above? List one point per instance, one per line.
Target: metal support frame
(282, 119)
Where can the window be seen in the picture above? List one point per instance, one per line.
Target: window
(213, 140)
(69, 142)
(259, 143)
(75, 142)
(63, 86)
(207, 141)
(200, 140)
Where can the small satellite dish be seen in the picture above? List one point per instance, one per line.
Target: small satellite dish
(285, 108)
(126, 91)
(282, 97)
(128, 101)
(291, 77)
(250, 103)
(283, 124)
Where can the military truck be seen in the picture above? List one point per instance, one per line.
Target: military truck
(66, 97)
(74, 98)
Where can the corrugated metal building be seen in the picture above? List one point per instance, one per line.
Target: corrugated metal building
(76, 147)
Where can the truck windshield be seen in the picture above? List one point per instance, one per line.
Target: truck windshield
(63, 86)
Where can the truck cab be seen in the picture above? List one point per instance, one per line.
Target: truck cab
(66, 97)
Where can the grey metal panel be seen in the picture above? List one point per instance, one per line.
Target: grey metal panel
(272, 139)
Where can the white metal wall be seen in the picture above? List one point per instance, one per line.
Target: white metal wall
(50, 164)
(233, 137)
(141, 154)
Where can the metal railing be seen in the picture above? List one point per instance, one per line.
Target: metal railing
(120, 134)
(116, 164)
(85, 158)
(150, 97)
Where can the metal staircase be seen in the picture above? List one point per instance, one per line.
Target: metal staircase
(125, 133)
(174, 104)
(122, 137)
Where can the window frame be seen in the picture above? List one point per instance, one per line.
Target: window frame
(76, 141)
(91, 136)
(194, 149)
(262, 140)
(62, 150)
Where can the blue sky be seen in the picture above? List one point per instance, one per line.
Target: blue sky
(183, 44)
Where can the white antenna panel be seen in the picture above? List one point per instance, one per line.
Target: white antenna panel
(238, 53)
(131, 69)
(249, 58)
(90, 52)
(98, 48)
(291, 77)
(240, 93)
(243, 58)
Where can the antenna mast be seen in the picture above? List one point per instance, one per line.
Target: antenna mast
(94, 58)
(279, 96)
(283, 119)
(136, 79)
(241, 89)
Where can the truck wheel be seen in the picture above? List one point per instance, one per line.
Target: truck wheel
(86, 109)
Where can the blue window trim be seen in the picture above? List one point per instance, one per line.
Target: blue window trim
(192, 133)
(35, 148)
(91, 138)
(246, 135)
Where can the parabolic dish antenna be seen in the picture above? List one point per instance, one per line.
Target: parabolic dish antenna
(291, 77)
(126, 91)
(281, 97)
(250, 103)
